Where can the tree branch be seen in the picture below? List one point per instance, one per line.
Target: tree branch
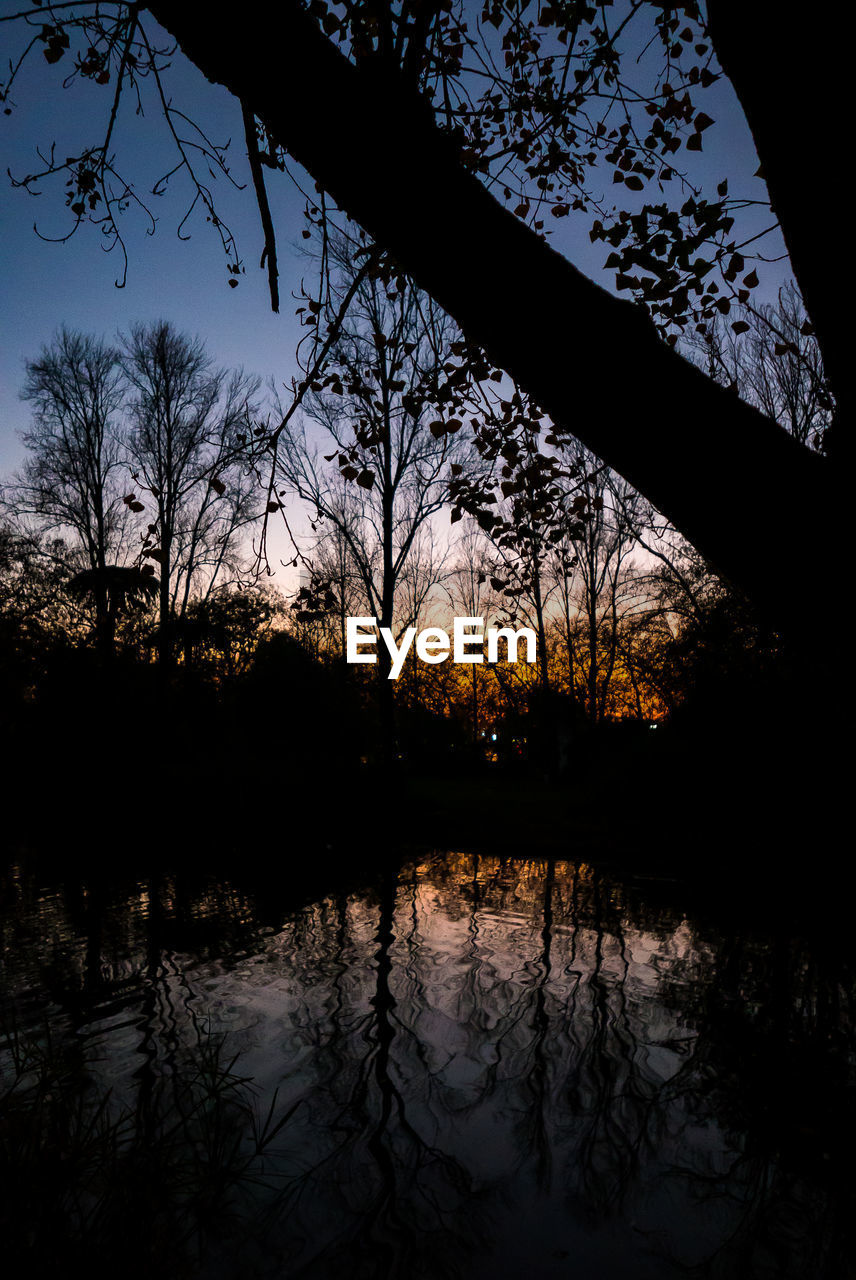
(732, 481)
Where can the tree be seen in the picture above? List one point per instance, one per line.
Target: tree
(534, 130)
(34, 608)
(422, 579)
(189, 425)
(393, 436)
(222, 632)
(524, 522)
(498, 277)
(603, 541)
(330, 589)
(473, 590)
(71, 484)
(773, 362)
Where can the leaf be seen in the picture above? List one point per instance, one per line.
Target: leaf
(751, 280)
(272, 506)
(366, 478)
(740, 326)
(217, 485)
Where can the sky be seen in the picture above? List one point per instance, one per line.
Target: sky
(45, 285)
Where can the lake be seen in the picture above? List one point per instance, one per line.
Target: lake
(462, 1065)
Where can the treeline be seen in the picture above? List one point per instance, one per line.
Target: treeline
(135, 533)
(132, 630)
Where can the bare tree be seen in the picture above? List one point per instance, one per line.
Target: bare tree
(771, 357)
(380, 410)
(331, 586)
(189, 425)
(71, 485)
(424, 572)
(591, 571)
(472, 593)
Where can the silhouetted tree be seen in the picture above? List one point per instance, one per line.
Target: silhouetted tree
(416, 79)
(773, 361)
(391, 444)
(189, 424)
(35, 613)
(222, 632)
(600, 587)
(473, 596)
(465, 249)
(71, 483)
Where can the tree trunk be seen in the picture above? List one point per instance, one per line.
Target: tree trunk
(543, 672)
(593, 663)
(164, 610)
(762, 49)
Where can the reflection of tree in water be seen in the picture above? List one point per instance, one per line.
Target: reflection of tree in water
(367, 1191)
(773, 1066)
(609, 1096)
(466, 1033)
(481, 1035)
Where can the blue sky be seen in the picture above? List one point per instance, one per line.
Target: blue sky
(45, 285)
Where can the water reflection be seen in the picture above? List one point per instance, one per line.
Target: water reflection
(489, 1066)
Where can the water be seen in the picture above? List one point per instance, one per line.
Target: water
(489, 1066)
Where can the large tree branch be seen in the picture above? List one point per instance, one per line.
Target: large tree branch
(792, 94)
(732, 481)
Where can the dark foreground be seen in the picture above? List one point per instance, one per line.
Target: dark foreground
(460, 1064)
